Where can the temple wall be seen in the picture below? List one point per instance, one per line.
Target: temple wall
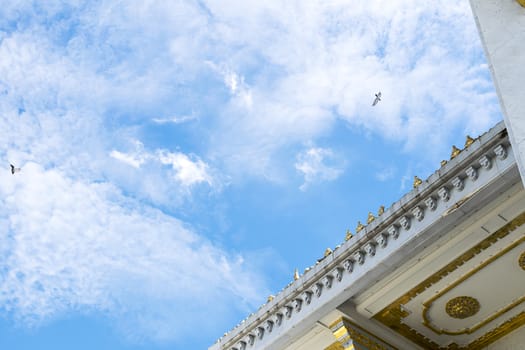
(501, 24)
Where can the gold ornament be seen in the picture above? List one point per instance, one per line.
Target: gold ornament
(417, 181)
(455, 152)
(371, 218)
(469, 141)
(462, 307)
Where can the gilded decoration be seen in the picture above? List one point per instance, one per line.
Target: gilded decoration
(455, 152)
(521, 2)
(371, 218)
(469, 141)
(348, 235)
(393, 315)
(359, 227)
(474, 328)
(521, 260)
(351, 336)
(417, 181)
(462, 307)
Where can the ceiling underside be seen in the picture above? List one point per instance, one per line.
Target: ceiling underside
(464, 291)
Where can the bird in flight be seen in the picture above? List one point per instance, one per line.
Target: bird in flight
(13, 169)
(377, 99)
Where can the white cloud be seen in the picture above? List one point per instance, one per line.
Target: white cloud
(135, 158)
(72, 246)
(187, 171)
(323, 57)
(312, 164)
(175, 120)
(127, 158)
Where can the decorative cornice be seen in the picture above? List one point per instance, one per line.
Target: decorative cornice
(431, 195)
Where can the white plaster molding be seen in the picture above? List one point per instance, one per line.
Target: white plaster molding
(338, 272)
(307, 297)
(259, 332)
(501, 152)
(370, 248)
(472, 173)
(382, 240)
(297, 304)
(278, 319)
(251, 339)
(444, 194)
(431, 203)
(458, 183)
(418, 213)
(393, 231)
(359, 256)
(327, 281)
(318, 289)
(349, 265)
(485, 162)
(405, 222)
(288, 311)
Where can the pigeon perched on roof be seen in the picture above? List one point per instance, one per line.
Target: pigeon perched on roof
(377, 99)
(13, 169)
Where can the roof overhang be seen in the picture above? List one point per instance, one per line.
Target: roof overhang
(405, 264)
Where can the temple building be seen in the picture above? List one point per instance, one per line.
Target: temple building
(443, 267)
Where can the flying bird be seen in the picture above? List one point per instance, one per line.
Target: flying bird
(377, 99)
(13, 169)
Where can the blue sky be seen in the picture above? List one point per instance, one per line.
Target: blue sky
(181, 158)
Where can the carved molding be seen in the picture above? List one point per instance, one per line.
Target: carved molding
(485, 162)
(352, 337)
(501, 152)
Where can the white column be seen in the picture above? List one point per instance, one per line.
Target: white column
(501, 24)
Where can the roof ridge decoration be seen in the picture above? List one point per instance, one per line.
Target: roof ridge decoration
(395, 221)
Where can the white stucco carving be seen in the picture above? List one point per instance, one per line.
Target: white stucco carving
(458, 183)
(472, 173)
(349, 265)
(485, 162)
(501, 152)
(418, 213)
(444, 194)
(405, 222)
(393, 231)
(359, 256)
(431, 204)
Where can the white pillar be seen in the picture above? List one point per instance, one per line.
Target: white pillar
(501, 24)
